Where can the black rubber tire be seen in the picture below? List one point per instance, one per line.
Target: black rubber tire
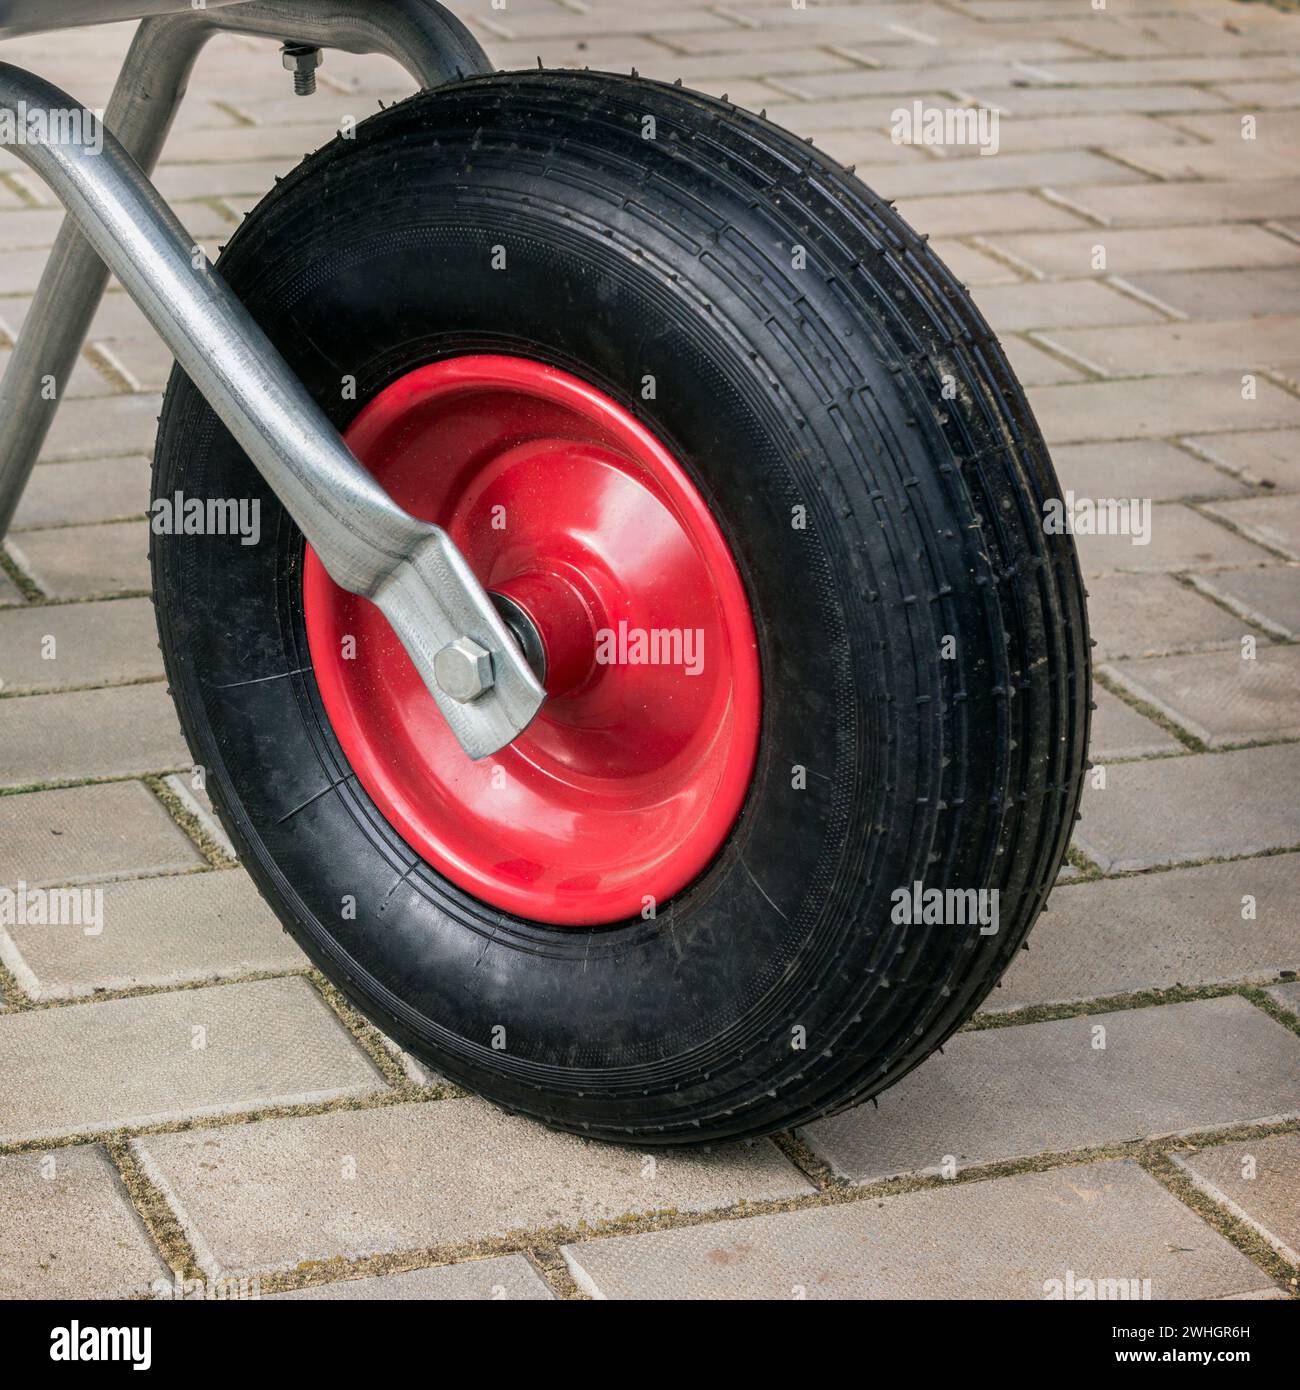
(864, 387)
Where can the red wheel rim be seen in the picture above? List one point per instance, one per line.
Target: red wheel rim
(628, 781)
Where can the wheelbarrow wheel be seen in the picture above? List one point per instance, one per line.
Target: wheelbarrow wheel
(749, 472)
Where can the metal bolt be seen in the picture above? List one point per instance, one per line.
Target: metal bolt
(463, 669)
(302, 60)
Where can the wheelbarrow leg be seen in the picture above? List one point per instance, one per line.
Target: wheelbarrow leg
(144, 102)
(429, 42)
(411, 570)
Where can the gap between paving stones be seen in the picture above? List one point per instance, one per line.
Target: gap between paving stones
(1190, 742)
(1186, 579)
(1229, 524)
(27, 587)
(81, 688)
(542, 1245)
(43, 600)
(1254, 993)
(207, 845)
(89, 525)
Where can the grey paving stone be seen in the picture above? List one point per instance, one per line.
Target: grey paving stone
(1139, 468)
(410, 1176)
(64, 494)
(1240, 160)
(1258, 96)
(21, 271)
(1184, 347)
(1223, 294)
(1006, 1093)
(90, 733)
(85, 380)
(1119, 731)
(115, 317)
(1068, 303)
(1079, 101)
(1154, 931)
(847, 138)
(1272, 521)
(9, 592)
(1220, 697)
(1033, 366)
(1116, 130)
(1287, 995)
(1087, 72)
(155, 931)
(546, 22)
(1152, 614)
(289, 140)
(86, 1067)
(972, 267)
(838, 89)
(199, 804)
(1258, 1180)
(1269, 598)
(86, 561)
(968, 214)
(81, 427)
(1271, 457)
(1172, 811)
(29, 227)
(144, 362)
(756, 40)
(1032, 1236)
(70, 644)
(507, 1277)
(1135, 249)
(89, 834)
(1057, 168)
(1146, 406)
(1181, 539)
(68, 1229)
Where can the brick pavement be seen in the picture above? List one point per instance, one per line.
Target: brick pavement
(1166, 368)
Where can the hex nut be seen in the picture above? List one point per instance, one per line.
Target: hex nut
(463, 670)
(301, 59)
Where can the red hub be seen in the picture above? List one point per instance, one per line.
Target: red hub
(630, 778)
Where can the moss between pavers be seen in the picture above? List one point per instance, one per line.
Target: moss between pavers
(28, 691)
(10, 995)
(204, 842)
(1090, 873)
(1135, 999)
(1229, 1226)
(370, 1040)
(153, 1209)
(103, 996)
(58, 784)
(542, 1245)
(23, 582)
(1189, 741)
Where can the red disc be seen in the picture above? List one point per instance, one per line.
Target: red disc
(629, 779)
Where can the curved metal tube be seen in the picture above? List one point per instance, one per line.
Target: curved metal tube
(428, 40)
(369, 545)
(433, 46)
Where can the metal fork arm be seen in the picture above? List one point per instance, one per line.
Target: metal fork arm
(369, 545)
(433, 46)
